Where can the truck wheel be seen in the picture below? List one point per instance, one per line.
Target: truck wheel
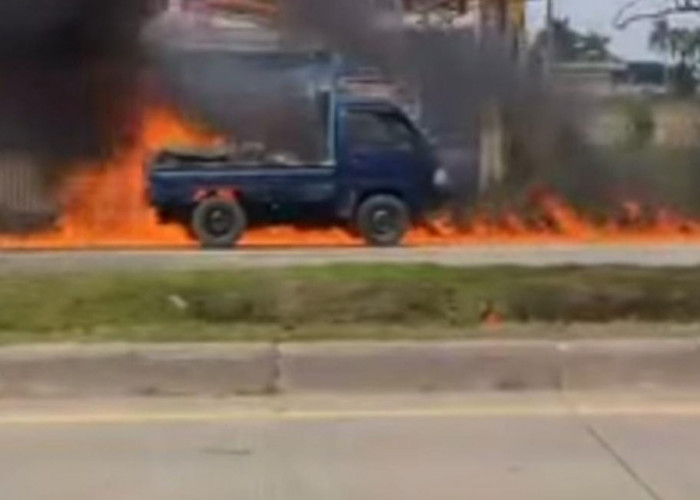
(218, 223)
(383, 220)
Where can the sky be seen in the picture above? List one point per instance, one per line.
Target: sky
(598, 15)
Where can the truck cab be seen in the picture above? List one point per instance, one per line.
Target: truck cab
(381, 175)
(380, 150)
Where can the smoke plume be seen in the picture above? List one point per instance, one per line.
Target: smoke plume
(460, 77)
(240, 80)
(67, 70)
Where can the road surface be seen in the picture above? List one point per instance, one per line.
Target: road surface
(481, 255)
(535, 447)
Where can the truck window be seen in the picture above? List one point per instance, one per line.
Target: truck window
(378, 131)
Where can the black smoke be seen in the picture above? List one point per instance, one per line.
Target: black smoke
(242, 80)
(67, 69)
(68, 72)
(461, 76)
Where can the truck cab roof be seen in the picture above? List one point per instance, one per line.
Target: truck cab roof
(377, 103)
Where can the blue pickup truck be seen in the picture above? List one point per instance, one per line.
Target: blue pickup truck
(380, 177)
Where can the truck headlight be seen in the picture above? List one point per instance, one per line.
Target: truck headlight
(441, 179)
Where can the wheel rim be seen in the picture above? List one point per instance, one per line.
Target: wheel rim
(219, 221)
(385, 221)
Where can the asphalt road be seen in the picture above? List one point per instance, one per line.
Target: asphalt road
(652, 254)
(488, 448)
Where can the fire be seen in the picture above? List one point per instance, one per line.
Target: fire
(105, 206)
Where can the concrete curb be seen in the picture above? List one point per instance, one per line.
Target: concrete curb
(137, 370)
(368, 367)
(588, 365)
(401, 367)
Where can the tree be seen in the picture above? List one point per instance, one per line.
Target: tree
(637, 10)
(682, 45)
(594, 47)
(660, 37)
(571, 45)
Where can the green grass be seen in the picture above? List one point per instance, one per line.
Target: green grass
(333, 302)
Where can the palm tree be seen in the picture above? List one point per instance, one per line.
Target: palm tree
(659, 39)
(682, 45)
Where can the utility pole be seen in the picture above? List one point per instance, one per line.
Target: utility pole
(549, 57)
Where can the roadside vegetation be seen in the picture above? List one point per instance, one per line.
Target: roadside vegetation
(338, 302)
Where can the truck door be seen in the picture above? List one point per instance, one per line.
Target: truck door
(382, 151)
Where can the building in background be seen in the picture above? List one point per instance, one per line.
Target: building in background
(505, 16)
(613, 78)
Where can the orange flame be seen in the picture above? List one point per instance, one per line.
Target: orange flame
(105, 206)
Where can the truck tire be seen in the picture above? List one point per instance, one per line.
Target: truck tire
(218, 223)
(383, 220)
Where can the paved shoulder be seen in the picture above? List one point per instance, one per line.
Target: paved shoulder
(476, 255)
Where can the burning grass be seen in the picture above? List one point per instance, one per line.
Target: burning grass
(343, 302)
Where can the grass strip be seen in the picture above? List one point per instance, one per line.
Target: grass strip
(334, 302)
